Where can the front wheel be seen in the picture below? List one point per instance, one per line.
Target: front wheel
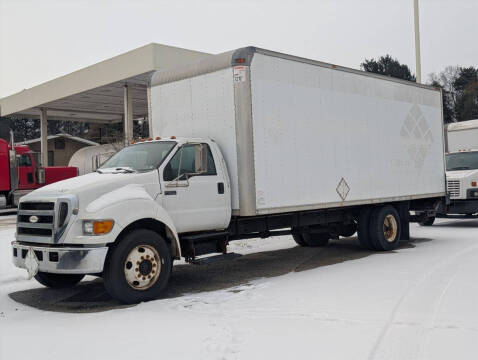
(58, 281)
(138, 268)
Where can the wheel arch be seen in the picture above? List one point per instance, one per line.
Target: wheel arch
(160, 227)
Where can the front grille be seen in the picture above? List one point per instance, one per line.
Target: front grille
(37, 206)
(36, 219)
(453, 188)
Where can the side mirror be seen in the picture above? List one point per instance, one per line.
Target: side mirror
(200, 159)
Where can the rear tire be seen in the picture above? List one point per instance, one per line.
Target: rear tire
(428, 221)
(348, 230)
(311, 239)
(58, 281)
(363, 229)
(138, 268)
(385, 228)
(316, 240)
(299, 239)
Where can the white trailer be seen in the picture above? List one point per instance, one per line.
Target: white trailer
(462, 136)
(249, 143)
(299, 134)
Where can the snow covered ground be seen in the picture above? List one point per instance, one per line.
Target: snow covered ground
(277, 301)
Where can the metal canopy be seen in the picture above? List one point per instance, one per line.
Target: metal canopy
(96, 93)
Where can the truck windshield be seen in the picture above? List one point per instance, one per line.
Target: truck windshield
(140, 157)
(462, 161)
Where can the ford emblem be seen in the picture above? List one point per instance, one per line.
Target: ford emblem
(33, 219)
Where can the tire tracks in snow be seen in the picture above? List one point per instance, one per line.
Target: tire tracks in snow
(410, 291)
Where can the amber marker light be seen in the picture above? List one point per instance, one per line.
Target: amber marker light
(97, 227)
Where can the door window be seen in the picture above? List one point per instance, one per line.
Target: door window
(188, 163)
(24, 160)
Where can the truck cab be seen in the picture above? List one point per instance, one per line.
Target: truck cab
(462, 181)
(169, 187)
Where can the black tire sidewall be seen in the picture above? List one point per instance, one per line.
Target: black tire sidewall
(376, 228)
(316, 240)
(115, 280)
(298, 238)
(363, 229)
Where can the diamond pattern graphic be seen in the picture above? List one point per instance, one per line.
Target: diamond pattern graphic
(417, 134)
(342, 189)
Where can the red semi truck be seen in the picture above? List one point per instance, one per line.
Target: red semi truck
(20, 173)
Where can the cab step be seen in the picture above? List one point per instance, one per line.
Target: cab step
(214, 259)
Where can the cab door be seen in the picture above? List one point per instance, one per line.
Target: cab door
(195, 202)
(26, 172)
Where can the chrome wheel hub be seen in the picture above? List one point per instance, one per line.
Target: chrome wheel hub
(390, 228)
(142, 267)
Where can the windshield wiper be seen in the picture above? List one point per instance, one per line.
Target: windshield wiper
(459, 168)
(99, 171)
(125, 169)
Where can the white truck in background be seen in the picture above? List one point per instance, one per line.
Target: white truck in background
(462, 167)
(461, 143)
(248, 143)
(90, 158)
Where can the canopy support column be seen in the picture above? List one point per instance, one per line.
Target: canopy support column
(128, 114)
(44, 137)
(150, 112)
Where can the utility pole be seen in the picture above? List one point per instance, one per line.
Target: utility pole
(417, 42)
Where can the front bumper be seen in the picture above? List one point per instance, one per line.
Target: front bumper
(62, 259)
(463, 207)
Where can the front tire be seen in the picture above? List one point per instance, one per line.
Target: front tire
(138, 268)
(58, 281)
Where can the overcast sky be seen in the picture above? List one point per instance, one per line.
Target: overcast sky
(40, 40)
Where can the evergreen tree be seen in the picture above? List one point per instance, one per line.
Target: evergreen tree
(386, 65)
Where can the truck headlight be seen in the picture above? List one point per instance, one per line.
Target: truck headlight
(472, 193)
(97, 227)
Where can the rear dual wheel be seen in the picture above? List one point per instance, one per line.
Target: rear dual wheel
(311, 239)
(379, 228)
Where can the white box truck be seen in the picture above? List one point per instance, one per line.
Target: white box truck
(249, 143)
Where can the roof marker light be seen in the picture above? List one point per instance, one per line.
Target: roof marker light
(473, 183)
(173, 137)
(240, 61)
(158, 137)
(149, 139)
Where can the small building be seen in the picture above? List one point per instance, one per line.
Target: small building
(61, 147)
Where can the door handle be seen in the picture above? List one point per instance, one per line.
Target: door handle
(170, 192)
(220, 188)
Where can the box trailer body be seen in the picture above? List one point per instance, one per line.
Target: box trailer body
(247, 144)
(298, 134)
